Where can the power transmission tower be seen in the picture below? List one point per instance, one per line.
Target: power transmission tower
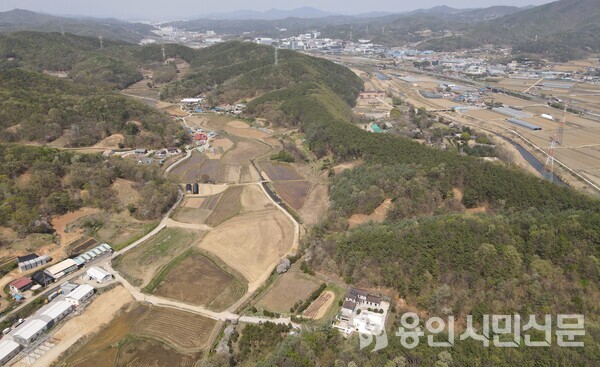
(101, 43)
(549, 165)
(164, 54)
(561, 127)
(276, 56)
(556, 138)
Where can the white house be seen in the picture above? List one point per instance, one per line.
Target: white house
(80, 294)
(98, 274)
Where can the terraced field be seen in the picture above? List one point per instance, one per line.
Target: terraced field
(280, 171)
(139, 265)
(290, 288)
(210, 169)
(293, 192)
(187, 171)
(143, 353)
(198, 280)
(183, 330)
(228, 206)
(210, 203)
(251, 242)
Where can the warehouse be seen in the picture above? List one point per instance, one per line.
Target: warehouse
(98, 274)
(29, 331)
(80, 294)
(55, 311)
(524, 124)
(62, 268)
(8, 350)
(511, 112)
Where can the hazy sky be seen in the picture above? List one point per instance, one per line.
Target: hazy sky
(185, 9)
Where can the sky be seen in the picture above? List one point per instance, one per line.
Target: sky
(189, 9)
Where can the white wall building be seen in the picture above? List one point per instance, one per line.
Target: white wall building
(29, 331)
(80, 294)
(55, 311)
(8, 350)
(98, 274)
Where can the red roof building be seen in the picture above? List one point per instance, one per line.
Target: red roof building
(20, 285)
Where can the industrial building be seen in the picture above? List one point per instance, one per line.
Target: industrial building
(62, 268)
(67, 288)
(29, 331)
(524, 124)
(92, 254)
(8, 350)
(31, 262)
(508, 111)
(55, 311)
(98, 274)
(80, 295)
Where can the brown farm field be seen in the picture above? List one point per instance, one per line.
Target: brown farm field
(293, 192)
(140, 265)
(115, 331)
(244, 151)
(143, 353)
(228, 206)
(252, 242)
(280, 171)
(191, 215)
(253, 199)
(290, 288)
(319, 307)
(183, 330)
(167, 337)
(188, 170)
(200, 281)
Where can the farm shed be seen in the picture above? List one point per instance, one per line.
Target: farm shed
(524, 124)
(80, 294)
(511, 112)
(42, 278)
(98, 274)
(34, 262)
(99, 250)
(27, 257)
(8, 350)
(29, 331)
(20, 285)
(62, 268)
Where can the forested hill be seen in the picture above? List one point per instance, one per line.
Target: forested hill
(246, 70)
(560, 30)
(21, 20)
(533, 249)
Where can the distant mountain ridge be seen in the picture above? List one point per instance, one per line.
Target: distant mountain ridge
(19, 19)
(271, 14)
